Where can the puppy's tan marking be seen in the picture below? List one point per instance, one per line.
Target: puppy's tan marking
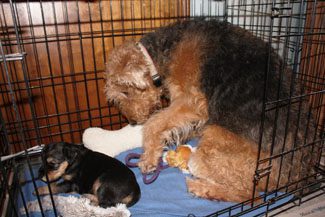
(96, 185)
(44, 190)
(127, 199)
(54, 175)
(68, 177)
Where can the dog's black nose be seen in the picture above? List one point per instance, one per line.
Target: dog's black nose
(132, 122)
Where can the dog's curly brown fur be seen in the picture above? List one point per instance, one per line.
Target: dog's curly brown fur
(214, 76)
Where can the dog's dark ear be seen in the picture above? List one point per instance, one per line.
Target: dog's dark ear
(71, 152)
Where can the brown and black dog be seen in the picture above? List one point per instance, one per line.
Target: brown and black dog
(103, 179)
(219, 78)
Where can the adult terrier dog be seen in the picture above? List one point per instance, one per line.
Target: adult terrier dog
(214, 76)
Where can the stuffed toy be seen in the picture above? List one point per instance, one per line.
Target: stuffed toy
(179, 157)
(113, 142)
(71, 206)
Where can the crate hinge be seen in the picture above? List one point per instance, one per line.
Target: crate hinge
(13, 57)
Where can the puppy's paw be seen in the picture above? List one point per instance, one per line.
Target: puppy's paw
(42, 190)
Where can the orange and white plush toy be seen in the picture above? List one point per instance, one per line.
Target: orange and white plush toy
(180, 157)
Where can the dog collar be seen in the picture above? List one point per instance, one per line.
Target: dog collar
(153, 71)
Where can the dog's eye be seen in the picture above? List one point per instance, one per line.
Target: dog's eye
(125, 93)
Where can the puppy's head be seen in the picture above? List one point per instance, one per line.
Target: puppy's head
(129, 84)
(58, 157)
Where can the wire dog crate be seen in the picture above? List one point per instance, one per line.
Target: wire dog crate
(53, 56)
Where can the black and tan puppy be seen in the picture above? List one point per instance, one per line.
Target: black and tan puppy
(103, 179)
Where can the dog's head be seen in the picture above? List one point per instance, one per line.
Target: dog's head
(129, 84)
(58, 158)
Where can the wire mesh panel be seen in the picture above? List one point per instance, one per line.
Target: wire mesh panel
(53, 56)
(290, 27)
(67, 43)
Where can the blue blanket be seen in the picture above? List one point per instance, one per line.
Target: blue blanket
(166, 197)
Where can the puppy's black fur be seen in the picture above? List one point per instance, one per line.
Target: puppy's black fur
(106, 179)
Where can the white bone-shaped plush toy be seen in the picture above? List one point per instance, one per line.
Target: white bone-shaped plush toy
(113, 142)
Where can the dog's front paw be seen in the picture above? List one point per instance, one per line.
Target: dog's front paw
(147, 164)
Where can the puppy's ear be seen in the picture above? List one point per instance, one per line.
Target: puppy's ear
(71, 152)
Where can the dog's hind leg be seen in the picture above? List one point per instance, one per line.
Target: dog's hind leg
(216, 191)
(223, 166)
